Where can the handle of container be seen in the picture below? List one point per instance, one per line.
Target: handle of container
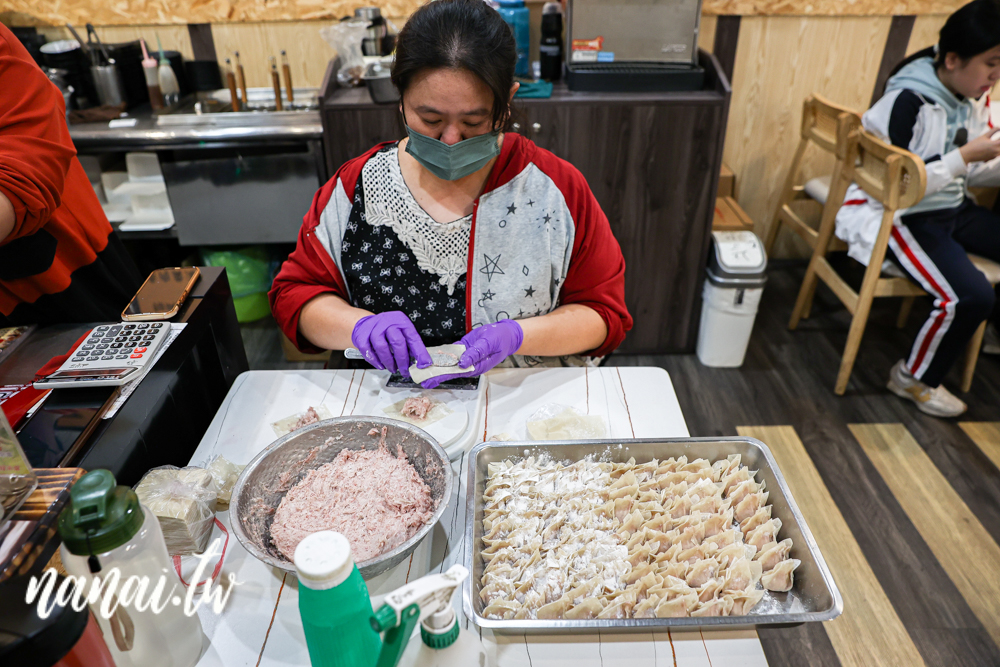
(218, 566)
(89, 497)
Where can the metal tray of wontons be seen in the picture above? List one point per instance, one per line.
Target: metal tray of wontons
(814, 595)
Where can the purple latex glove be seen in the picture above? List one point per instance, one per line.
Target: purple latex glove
(485, 347)
(389, 340)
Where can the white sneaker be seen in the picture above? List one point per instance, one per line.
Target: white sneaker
(936, 401)
(991, 340)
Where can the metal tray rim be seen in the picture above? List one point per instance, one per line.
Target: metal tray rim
(718, 622)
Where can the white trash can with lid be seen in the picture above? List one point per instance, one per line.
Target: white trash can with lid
(730, 298)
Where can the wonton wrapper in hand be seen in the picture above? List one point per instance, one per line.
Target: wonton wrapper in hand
(418, 375)
(558, 422)
(437, 412)
(285, 426)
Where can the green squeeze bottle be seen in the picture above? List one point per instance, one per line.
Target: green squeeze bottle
(334, 604)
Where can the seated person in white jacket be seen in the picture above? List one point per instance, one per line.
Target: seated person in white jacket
(937, 106)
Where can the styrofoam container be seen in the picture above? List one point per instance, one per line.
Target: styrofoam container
(127, 190)
(148, 220)
(143, 167)
(111, 181)
(116, 213)
(156, 201)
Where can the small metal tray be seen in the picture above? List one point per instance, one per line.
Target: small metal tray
(814, 596)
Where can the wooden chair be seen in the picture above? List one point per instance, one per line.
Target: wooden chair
(890, 175)
(822, 123)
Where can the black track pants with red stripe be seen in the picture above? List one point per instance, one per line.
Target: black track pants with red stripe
(932, 247)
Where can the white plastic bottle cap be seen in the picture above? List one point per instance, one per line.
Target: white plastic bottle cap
(323, 560)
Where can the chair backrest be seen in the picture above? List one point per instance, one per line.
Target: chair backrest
(893, 176)
(822, 121)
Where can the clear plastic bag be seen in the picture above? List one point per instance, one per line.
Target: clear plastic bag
(345, 38)
(17, 479)
(225, 473)
(184, 502)
(561, 422)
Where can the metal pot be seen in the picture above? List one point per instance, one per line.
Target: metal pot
(265, 480)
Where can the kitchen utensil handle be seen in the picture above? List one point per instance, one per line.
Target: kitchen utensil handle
(93, 31)
(83, 45)
(241, 78)
(276, 81)
(231, 83)
(353, 353)
(287, 71)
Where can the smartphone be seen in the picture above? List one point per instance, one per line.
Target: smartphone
(162, 295)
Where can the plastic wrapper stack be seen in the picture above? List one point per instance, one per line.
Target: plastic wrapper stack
(184, 502)
(225, 474)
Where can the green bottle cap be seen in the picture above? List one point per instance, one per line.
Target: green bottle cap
(440, 640)
(100, 516)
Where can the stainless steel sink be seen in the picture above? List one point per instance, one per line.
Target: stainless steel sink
(214, 109)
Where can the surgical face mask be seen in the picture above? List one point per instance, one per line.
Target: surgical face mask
(456, 161)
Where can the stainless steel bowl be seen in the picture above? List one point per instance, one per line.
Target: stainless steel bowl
(266, 479)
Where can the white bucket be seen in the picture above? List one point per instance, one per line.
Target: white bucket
(727, 317)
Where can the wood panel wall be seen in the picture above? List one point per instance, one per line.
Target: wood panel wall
(780, 59)
(129, 12)
(925, 32)
(777, 65)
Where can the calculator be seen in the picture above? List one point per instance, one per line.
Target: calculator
(111, 355)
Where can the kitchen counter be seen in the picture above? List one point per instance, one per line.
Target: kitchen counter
(232, 178)
(261, 624)
(192, 129)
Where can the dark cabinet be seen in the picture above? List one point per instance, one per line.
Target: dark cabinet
(652, 161)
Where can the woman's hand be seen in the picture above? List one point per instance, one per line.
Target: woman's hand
(389, 340)
(485, 347)
(981, 149)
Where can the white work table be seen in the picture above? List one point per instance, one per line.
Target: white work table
(260, 624)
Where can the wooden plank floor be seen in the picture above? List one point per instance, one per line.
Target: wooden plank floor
(787, 380)
(967, 552)
(868, 633)
(986, 436)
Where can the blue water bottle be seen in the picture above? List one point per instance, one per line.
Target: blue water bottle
(517, 16)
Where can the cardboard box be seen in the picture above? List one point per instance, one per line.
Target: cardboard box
(727, 182)
(729, 217)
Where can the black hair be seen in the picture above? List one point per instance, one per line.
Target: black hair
(974, 28)
(459, 34)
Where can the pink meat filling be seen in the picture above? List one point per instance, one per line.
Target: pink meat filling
(376, 500)
(308, 417)
(416, 407)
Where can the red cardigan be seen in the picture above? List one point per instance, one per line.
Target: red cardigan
(43, 180)
(595, 278)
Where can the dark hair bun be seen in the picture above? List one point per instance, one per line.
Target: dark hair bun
(459, 34)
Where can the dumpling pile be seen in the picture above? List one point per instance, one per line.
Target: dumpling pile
(625, 540)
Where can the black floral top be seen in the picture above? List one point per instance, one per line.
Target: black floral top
(396, 257)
